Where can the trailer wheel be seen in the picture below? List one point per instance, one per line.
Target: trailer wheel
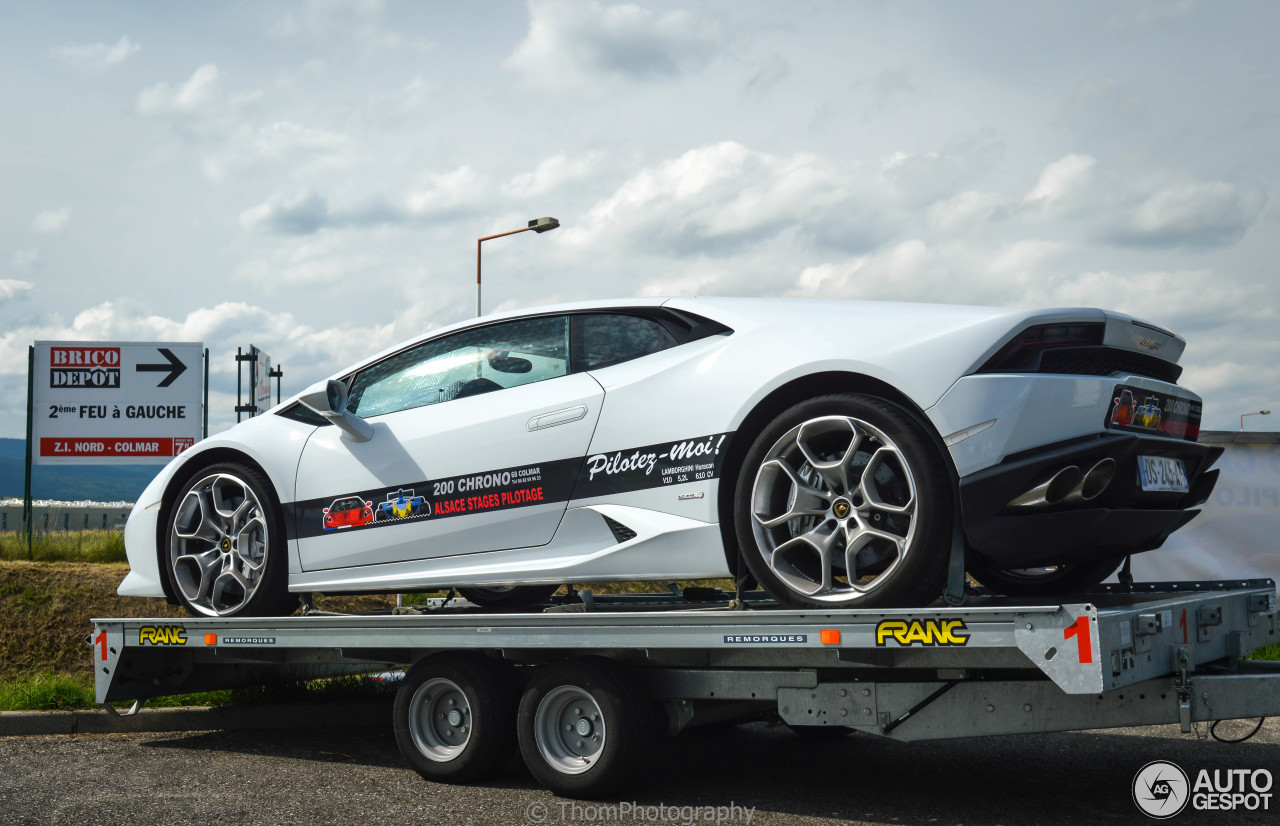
(586, 727)
(455, 717)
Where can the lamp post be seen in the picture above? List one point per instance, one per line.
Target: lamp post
(1257, 413)
(538, 225)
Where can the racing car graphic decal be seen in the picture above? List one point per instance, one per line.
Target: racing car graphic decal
(1148, 415)
(348, 512)
(602, 474)
(401, 505)
(1171, 416)
(1122, 411)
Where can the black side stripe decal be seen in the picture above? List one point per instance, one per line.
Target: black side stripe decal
(560, 480)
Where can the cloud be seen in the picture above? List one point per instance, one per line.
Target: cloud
(441, 193)
(720, 194)
(578, 42)
(51, 220)
(12, 288)
(307, 148)
(966, 210)
(1061, 178)
(438, 197)
(772, 70)
(199, 91)
(299, 213)
(25, 259)
(552, 173)
(1205, 214)
(97, 56)
(358, 21)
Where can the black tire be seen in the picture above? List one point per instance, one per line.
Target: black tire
(612, 705)
(1048, 581)
(846, 430)
(248, 571)
(521, 596)
(480, 692)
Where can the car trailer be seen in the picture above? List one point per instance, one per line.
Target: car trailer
(585, 685)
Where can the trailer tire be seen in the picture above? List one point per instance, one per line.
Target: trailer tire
(455, 717)
(612, 726)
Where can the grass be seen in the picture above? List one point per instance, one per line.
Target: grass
(64, 546)
(1269, 652)
(50, 691)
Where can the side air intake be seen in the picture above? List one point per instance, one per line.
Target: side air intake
(621, 533)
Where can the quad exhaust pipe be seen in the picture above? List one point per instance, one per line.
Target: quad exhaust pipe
(1068, 486)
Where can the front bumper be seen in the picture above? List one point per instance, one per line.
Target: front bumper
(1123, 519)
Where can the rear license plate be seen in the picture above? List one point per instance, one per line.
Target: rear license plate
(1160, 473)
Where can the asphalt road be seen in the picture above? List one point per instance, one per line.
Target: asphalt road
(771, 774)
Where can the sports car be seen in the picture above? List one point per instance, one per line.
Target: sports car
(833, 452)
(349, 512)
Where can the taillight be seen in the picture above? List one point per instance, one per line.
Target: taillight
(1022, 353)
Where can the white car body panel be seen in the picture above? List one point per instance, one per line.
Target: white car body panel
(1081, 403)
(437, 442)
(665, 547)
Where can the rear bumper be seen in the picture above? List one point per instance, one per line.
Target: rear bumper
(1122, 519)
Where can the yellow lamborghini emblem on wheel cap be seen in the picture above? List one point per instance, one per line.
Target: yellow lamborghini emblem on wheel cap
(841, 508)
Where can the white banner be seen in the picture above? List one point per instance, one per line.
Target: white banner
(1237, 534)
(115, 402)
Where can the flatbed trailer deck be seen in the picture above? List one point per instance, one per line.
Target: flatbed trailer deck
(600, 678)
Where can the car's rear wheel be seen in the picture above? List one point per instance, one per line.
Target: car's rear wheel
(225, 548)
(508, 596)
(1043, 581)
(844, 500)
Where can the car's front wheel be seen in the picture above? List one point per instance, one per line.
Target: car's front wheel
(844, 500)
(225, 547)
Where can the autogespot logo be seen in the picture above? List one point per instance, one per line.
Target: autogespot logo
(1161, 789)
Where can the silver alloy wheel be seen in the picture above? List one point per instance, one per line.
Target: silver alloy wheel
(440, 719)
(569, 729)
(218, 545)
(833, 508)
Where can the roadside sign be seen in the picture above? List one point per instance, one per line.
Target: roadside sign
(261, 380)
(115, 402)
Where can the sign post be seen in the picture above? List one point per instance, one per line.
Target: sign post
(26, 485)
(114, 403)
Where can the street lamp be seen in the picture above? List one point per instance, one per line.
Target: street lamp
(538, 225)
(1258, 413)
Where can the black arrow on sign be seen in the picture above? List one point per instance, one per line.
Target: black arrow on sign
(174, 368)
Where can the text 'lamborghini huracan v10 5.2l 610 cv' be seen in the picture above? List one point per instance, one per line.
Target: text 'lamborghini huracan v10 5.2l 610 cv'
(832, 448)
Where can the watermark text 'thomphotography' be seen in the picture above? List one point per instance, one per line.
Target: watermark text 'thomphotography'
(572, 811)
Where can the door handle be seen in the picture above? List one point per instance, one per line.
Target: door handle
(569, 414)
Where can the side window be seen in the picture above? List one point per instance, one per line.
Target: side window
(609, 339)
(464, 364)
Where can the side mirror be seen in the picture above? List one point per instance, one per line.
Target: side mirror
(329, 399)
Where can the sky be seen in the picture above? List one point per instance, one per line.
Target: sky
(310, 177)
